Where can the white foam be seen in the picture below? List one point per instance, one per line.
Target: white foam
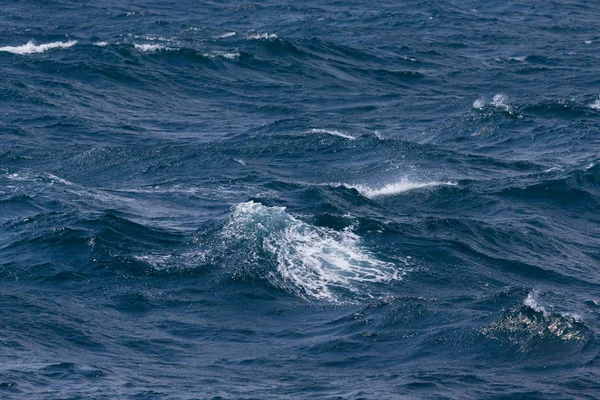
(31, 47)
(595, 105)
(500, 101)
(261, 36)
(310, 261)
(378, 135)
(229, 56)
(552, 169)
(332, 132)
(31, 177)
(226, 35)
(395, 188)
(479, 103)
(101, 44)
(152, 47)
(532, 302)
(520, 59)
(587, 41)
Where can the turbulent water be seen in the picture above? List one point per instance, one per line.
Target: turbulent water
(299, 199)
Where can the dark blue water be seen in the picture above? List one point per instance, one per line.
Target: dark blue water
(299, 199)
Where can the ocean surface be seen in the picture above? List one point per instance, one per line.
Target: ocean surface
(317, 200)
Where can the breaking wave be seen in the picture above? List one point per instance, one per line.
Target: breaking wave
(152, 47)
(309, 261)
(395, 188)
(261, 36)
(31, 48)
(333, 133)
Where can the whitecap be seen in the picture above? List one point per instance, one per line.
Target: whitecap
(152, 47)
(332, 132)
(520, 59)
(261, 36)
(500, 102)
(553, 169)
(226, 35)
(378, 135)
(101, 44)
(595, 105)
(309, 261)
(479, 103)
(31, 47)
(532, 302)
(229, 56)
(395, 188)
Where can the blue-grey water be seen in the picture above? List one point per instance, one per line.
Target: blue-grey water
(324, 200)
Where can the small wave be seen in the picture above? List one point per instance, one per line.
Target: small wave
(332, 132)
(261, 36)
(519, 59)
(101, 44)
(310, 261)
(172, 263)
(532, 302)
(553, 169)
(31, 47)
(378, 135)
(226, 35)
(395, 188)
(499, 102)
(152, 48)
(30, 177)
(533, 321)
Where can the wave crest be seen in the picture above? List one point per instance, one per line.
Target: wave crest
(152, 48)
(309, 261)
(31, 48)
(395, 188)
(332, 132)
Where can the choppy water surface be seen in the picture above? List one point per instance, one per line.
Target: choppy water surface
(299, 199)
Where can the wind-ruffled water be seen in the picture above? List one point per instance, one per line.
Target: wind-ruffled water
(299, 200)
